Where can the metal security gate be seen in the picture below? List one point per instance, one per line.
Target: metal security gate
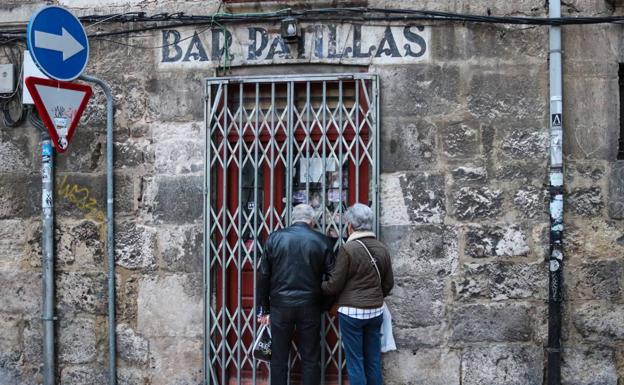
(272, 143)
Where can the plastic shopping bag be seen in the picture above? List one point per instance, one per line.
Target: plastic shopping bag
(387, 339)
(262, 345)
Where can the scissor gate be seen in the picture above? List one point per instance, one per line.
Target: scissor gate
(272, 143)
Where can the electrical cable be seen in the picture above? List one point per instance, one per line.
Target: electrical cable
(363, 14)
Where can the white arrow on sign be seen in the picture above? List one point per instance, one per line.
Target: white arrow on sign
(65, 43)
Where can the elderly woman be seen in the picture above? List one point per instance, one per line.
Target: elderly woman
(361, 278)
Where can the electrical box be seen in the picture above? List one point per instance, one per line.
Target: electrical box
(7, 78)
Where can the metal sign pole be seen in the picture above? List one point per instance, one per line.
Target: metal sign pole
(47, 241)
(110, 231)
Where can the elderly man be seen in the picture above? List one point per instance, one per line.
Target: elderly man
(291, 270)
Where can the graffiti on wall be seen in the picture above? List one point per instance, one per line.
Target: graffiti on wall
(318, 43)
(81, 198)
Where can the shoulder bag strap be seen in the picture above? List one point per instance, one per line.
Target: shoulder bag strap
(371, 257)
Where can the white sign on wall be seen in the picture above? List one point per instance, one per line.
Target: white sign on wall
(318, 43)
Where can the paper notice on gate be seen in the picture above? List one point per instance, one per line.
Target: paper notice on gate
(312, 169)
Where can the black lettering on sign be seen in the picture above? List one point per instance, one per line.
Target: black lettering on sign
(332, 44)
(169, 44)
(392, 49)
(357, 43)
(283, 49)
(255, 51)
(414, 38)
(556, 120)
(196, 43)
(217, 48)
(318, 41)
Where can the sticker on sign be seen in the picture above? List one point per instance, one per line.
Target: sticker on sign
(60, 105)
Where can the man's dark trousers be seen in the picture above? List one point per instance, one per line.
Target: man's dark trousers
(307, 321)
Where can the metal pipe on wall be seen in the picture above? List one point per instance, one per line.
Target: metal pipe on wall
(110, 230)
(47, 245)
(556, 201)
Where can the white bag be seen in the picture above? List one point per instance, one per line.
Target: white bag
(387, 339)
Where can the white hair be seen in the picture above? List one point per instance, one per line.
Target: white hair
(360, 217)
(303, 213)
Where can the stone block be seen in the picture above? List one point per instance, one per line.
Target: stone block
(159, 316)
(422, 366)
(583, 120)
(531, 202)
(503, 365)
(175, 199)
(616, 191)
(417, 302)
(505, 240)
(83, 196)
(424, 197)
(393, 207)
(127, 293)
(181, 248)
(599, 322)
(81, 292)
(175, 96)
(179, 157)
(471, 203)
(588, 366)
(501, 42)
(16, 154)
(425, 90)
(80, 245)
(83, 374)
(587, 202)
(10, 344)
(526, 143)
(421, 336)
(21, 292)
(135, 246)
(76, 340)
(406, 143)
(129, 376)
(421, 250)
(461, 137)
(489, 96)
(175, 361)
(33, 341)
(13, 241)
(133, 153)
(132, 347)
(87, 153)
(20, 196)
(501, 281)
(522, 172)
(491, 322)
(597, 238)
(594, 280)
(470, 174)
(585, 170)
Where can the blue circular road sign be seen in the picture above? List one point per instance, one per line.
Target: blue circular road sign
(58, 43)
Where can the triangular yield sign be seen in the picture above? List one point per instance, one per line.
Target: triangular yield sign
(60, 105)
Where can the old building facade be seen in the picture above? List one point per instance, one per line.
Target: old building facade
(442, 126)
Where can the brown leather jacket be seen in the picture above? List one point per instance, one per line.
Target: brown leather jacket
(354, 278)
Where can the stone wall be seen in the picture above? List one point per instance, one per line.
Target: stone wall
(464, 206)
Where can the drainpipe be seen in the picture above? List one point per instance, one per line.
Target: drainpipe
(47, 245)
(556, 202)
(112, 353)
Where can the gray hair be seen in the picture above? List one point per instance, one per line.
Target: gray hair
(303, 213)
(360, 217)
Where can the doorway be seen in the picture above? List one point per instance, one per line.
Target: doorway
(273, 142)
